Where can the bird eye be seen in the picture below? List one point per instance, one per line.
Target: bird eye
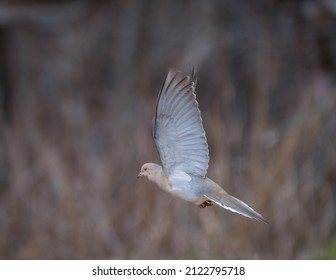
(145, 169)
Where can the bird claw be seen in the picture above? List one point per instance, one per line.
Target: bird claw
(205, 204)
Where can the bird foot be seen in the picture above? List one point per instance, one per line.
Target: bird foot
(205, 204)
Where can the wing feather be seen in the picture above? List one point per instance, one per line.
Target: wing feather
(177, 127)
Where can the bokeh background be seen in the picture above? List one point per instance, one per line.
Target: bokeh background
(78, 86)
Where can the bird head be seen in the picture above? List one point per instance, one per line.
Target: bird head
(149, 170)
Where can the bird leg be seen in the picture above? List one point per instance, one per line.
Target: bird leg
(205, 204)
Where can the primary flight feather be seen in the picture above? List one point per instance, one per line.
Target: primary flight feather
(180, 139)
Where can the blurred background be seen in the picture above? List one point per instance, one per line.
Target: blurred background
(78, 86)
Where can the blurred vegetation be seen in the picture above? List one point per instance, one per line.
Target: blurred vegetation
(327, 253)
(78, 86)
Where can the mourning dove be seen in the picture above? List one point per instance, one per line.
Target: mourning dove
(181, 142)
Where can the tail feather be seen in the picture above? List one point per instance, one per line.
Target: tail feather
(235, 205)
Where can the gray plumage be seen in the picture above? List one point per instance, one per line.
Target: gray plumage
(181, 142)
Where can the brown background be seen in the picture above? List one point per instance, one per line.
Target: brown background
(78, 86)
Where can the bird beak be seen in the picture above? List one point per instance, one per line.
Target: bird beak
(140, 175)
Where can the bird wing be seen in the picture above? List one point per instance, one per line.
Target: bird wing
(177, 127)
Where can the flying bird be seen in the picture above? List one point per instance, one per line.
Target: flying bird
(180, 139)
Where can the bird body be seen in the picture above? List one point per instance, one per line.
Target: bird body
(181, 142)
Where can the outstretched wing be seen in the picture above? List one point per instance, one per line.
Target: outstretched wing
(177, 127)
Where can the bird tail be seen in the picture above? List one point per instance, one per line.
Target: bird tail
(223, 199)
